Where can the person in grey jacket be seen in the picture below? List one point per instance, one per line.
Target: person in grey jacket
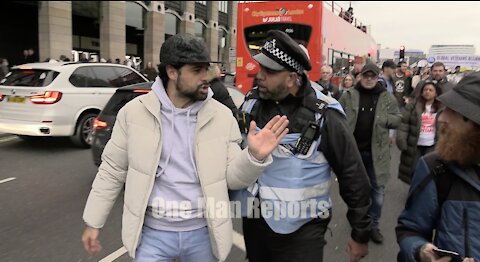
(371, 112)
(177, 153)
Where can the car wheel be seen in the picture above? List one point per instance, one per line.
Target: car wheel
(83, 131)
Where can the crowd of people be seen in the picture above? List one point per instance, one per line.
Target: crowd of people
(273, 158)
(279, 150)
(347, 15)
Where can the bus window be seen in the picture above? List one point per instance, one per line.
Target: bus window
(255, 35)
(340, 62)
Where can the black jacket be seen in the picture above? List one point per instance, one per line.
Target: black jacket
(407, 139)
(220, 93)
(366, 115)
(339, 147)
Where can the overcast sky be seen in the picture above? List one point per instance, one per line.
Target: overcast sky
(418, 25)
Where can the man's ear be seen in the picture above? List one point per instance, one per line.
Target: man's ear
(292, 80)
(172, 72)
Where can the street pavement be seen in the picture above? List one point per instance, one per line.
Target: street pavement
(48, 183)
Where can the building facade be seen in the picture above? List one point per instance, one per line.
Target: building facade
(114, 29)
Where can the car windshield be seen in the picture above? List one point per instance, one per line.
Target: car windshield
(119, 99)
(29, 77)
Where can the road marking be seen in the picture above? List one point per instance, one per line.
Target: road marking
(238, 240)
(7, 180)
(114, 255)
(8, 138)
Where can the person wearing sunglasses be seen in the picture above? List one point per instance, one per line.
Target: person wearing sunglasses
(371, 111)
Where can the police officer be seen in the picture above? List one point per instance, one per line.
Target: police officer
(293, 192)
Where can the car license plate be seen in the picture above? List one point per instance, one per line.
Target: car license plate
(16, 99)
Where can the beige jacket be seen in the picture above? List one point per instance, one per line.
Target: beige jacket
(132, 155)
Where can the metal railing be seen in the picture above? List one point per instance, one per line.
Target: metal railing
(343, 13)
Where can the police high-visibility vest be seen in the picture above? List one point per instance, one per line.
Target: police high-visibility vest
(295, 188)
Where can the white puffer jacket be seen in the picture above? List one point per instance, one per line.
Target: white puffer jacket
(132, 155)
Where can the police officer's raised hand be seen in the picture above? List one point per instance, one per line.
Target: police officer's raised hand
(356, 250)
(263, 142)
(90, 240)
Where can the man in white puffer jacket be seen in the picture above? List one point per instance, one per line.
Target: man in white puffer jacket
(177, 151)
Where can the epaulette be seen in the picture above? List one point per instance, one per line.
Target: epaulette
(329, 99)
(252, 94)
(316, 105)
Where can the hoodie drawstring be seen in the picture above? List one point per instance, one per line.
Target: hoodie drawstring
(171, 148)
(190, 144)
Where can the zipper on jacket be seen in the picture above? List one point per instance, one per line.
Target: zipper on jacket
(465, 228)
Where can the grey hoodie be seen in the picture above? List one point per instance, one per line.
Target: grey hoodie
(175, 203)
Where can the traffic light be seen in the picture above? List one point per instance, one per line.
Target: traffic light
(402, 52)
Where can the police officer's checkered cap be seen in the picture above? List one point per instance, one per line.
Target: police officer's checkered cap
(282, 52)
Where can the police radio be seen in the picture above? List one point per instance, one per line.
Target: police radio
(243, 120)
(310, 133)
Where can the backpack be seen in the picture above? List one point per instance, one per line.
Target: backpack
(440, 174)
(382, 81)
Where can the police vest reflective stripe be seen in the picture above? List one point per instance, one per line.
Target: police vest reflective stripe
(295, 188)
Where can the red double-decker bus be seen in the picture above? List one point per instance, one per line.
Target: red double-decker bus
(330, 37)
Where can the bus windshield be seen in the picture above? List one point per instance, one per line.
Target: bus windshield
(328, 37)
(255, 36)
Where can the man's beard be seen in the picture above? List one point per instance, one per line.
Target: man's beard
(461, 146)
(274, 94)
(438, 77)
(194, 95)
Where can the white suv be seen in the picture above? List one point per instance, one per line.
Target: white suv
(59, 99)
